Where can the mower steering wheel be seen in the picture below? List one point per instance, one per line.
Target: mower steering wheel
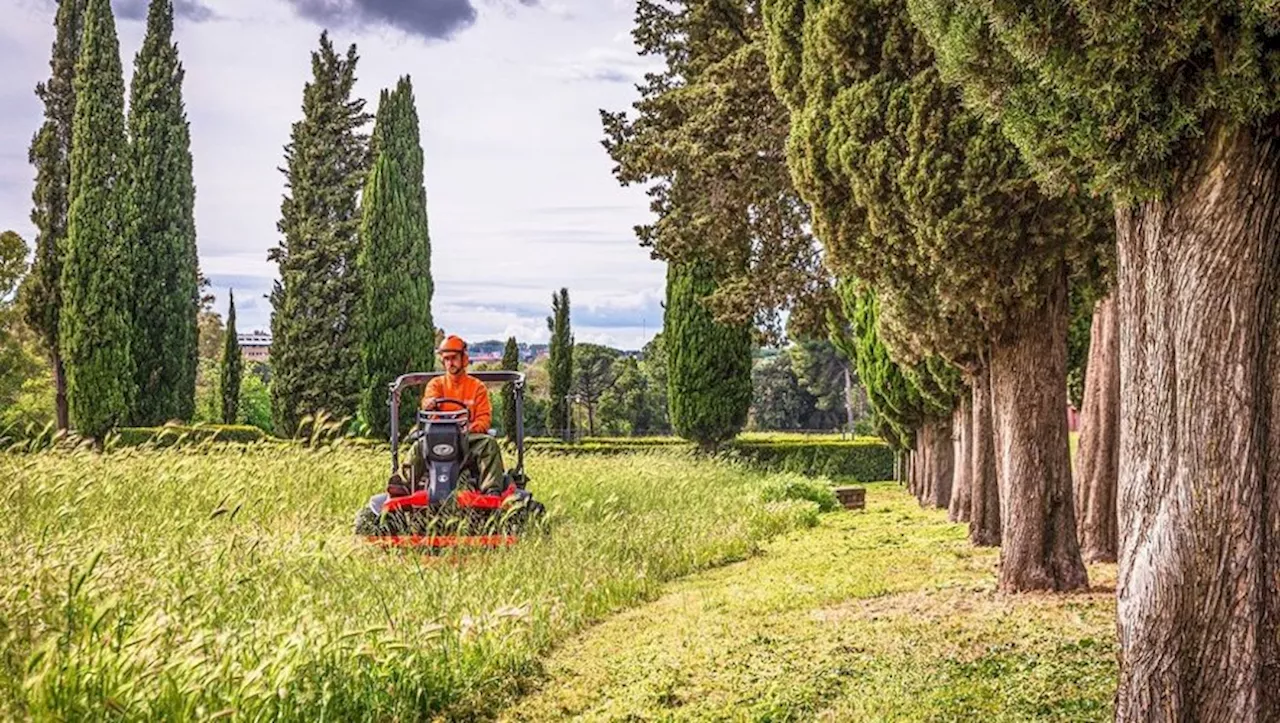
(450, 400)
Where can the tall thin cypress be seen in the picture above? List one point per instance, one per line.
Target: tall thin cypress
(510, 362)
(232, 368)
(95, 321)
(160, 218)
(315, 348)
(709, 363)
(50, 153)
(560, 363)
(394, 265)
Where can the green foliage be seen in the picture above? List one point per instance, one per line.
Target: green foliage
(820, 369)
(50, 153)
(865, 460)
(231, 371)
(95, 323)
(797, 487)
(254, 407)
(315, 349)
(708, 363)
(235, 568)
(893, 394)
(510, 362)
(708, 139)
(636, 403)
(397, 330)
(159, 216)
(594, 374)
(1116, 94)
(13, 266)
(913, 194)
(779, 401)
(19, 363)
(560, 363)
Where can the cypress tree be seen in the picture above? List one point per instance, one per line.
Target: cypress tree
(936, 211)
(160, 219)
(510, 362)
(50, 153)
(394, 265)
(1172, 109)
(560, 364)
(708, 363)
(315, 347)
(710, 118)
(232, 368)
(95, 326)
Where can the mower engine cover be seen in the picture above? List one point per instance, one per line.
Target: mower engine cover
(444, 446)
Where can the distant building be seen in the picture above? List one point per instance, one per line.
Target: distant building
(256, 346)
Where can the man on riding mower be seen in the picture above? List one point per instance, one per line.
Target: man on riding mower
(457, 384)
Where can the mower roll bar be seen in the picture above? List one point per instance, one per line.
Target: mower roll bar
(414, 379)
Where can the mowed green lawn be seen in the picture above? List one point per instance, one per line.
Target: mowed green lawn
(225, 582)
(886, 614)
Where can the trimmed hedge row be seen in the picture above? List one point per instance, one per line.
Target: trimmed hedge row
(174, 434)
(865, 459)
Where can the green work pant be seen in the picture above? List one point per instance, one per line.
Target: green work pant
(485, 452)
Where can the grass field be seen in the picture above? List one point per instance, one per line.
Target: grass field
(882, 615)
(225, 583)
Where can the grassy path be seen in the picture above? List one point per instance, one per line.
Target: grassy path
(883, 614)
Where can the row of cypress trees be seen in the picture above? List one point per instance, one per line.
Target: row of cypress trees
(114, 287)
(352, 306)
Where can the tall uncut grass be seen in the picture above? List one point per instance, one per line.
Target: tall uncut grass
(224, 581)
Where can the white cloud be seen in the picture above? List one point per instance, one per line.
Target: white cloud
(520, 193)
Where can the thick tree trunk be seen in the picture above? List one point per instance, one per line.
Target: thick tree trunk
(1038, 550)
(984, 489)
(942, 467)
(60, 394)
(925, 493)
(848, 401)
(913, 470)
(1198, 593)
(960, 425)
(1098, 455)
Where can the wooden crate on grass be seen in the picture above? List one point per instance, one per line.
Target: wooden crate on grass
(853, 498)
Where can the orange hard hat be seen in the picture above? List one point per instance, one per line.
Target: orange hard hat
(452, 343)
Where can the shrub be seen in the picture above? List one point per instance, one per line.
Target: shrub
(797, 487)
(171, 435)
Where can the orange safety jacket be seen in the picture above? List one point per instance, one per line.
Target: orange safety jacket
(470, 390)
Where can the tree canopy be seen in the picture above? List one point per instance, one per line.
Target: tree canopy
(315, 345)
(159, 218)
(95, 321)
(710, 118)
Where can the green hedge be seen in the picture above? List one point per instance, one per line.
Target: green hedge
(864, 459)
(170, 435)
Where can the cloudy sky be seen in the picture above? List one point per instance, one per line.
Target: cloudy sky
(519, 190)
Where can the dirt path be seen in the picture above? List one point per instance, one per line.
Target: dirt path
(881, 614)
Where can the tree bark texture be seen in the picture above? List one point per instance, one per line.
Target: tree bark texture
(1198, 592)
(960, 426)
(1098, 455)
(60, 394)
(942, 465)
(1039, 549)
(925, 493)
(984, 490)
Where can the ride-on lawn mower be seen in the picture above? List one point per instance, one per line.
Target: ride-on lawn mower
(443, 508)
